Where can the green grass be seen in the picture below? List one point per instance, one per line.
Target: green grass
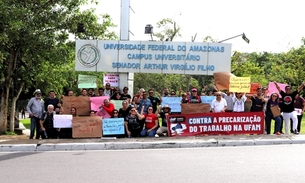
(26, 123)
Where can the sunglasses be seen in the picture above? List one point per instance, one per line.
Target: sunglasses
(194, 91)
(132, 110)
(217, 95)
(115, 113)
(173, 94)
(149, 109)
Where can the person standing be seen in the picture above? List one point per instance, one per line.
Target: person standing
(219, 104)
(35, 108)
(163, 131)
(51, 100)
(155, 101)
(288, 106)
(272, 102)
(299, 104)
(194, 98)
(258, 101)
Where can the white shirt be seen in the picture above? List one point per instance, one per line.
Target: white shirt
(219, 106)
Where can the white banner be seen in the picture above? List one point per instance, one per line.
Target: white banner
(62, 121)
(113, 79)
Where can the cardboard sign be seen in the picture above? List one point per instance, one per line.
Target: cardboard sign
(207, 99)
(113, 79)
(222, 80)
(240, 84)
(86, 81)
(216, 123)
(96, 102)
(195, 108)
(82, 105)
(117, 104)
(272, 88)
(87, 127)
(62, 121)
(254, 87)
(113, 126)
(173, 102)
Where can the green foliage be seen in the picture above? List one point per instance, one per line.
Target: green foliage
(10, 133)
(169, 30)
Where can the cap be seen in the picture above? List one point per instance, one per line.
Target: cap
(166, 106)
(37, 91)
(194, 89)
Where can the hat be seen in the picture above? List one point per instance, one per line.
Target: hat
(166, 106)
(194, 89)
(37, 91)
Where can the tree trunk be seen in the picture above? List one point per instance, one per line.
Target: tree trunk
(13, 108)
(4, 109)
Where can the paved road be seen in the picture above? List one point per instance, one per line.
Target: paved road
(280, 163)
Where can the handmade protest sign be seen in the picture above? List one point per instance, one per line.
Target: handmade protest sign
(272, 88)
(253, 87)
(113, 79)
(62, 121)
(86, 81)
(113, 126)
(117, 103)
(240, 84)
(82, 105)
(96, 102)
(222, 80)
(87, 127)
(194, 108)
(173, 103)
(207, 99)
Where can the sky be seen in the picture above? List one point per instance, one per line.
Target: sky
(271, 25)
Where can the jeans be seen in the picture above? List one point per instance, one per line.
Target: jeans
(144, 133)
(34, 125)
(268, 119)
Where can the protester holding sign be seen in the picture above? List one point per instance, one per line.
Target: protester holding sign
(151, 124)
(258, 101)
(239, 102)
(194, 98)
(132, 123)
(288, 106)
(273, 112)
(107, 106)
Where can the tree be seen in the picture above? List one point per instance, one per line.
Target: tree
(169, 30)
(34, 39)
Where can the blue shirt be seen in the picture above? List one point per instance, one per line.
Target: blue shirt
(35, 107)
(146, 103)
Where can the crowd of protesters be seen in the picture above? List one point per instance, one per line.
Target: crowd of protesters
(142, 112)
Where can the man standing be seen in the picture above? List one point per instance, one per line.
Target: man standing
(288, 106)
(194, 98)
(47, 125)
(154, 100)
(219, 104)
(166, 93)
(51, 100)
(144, 102)
(35, 108)
(108, 91)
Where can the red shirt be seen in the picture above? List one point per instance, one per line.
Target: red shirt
(109, 108)
(150, 120)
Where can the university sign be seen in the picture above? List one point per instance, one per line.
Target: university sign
(193, 58)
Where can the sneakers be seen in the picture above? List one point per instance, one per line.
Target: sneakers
(156, 135)
(296, 132)
(278, 133)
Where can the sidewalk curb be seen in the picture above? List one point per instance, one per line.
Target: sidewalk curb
(145, 145)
